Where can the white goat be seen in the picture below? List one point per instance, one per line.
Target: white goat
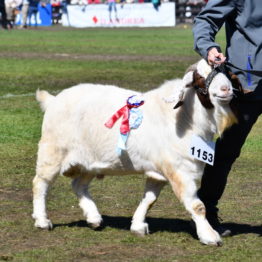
(75, 143)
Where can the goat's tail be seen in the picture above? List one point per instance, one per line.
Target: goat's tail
(44, 98)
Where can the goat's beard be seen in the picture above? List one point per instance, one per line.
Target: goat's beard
(225, 120)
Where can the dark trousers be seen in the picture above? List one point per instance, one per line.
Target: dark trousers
(227, 149)
(3, 12)
(33, 10)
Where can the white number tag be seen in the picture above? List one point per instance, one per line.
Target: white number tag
(202, 150)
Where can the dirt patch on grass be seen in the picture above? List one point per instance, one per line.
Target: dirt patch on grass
(99, 57)
(125, 252)
(15, 194)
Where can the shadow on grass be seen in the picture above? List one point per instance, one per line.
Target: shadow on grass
(164, 224)
(238, 229)
(124, 223)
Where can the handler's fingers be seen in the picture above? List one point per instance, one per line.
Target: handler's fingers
(214, 57)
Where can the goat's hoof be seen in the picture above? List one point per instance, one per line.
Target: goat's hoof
(95, 226)
(210, 237)
(214, 242)
(140, 229)
(219, 244)
(95, 223)
(44, 224)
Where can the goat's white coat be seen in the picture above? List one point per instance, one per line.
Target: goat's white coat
(76, 143)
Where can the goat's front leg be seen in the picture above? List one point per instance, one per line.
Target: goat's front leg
(206, 234)
(184, 186)
(152, 191)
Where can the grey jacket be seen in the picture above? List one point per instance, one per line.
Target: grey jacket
(243, 23)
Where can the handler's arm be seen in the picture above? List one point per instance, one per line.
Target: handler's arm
(206, 25)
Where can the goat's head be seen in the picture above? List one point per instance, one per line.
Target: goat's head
(213, 86)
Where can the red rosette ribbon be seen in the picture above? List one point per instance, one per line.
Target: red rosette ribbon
(124, 113)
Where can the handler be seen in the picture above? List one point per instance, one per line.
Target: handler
(3, 14)
(243, 24)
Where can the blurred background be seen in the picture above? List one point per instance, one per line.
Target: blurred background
(23, 14)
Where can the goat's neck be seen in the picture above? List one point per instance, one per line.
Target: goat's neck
(192, 119)
(207, 122)
(204, 123)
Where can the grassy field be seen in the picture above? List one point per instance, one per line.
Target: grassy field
(141, 59)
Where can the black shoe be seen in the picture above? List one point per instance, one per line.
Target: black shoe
(222, 231)
(215, 221)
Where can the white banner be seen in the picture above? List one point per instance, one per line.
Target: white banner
(126, 15)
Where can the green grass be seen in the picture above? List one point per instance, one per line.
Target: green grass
(46, 59)
(123, 41)
(141, 59)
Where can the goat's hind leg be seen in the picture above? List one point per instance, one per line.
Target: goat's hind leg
(80, 187)
(48, 167)
(152, 190)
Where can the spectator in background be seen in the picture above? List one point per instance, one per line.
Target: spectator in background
(65, 3)
(3, 14)
(24, 11)
(156, 4)
(12, 9)
(56, 11)
(112, 6)
(33, 10)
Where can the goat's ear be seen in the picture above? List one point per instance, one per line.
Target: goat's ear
(176, 98)
(235, 82)
(178, 104)
(203, 68)
(188, 79)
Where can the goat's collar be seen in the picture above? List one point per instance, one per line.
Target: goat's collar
(217, 69)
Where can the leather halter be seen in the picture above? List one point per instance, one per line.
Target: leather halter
(199, 84)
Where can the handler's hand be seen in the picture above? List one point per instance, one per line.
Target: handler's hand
(214, 57)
